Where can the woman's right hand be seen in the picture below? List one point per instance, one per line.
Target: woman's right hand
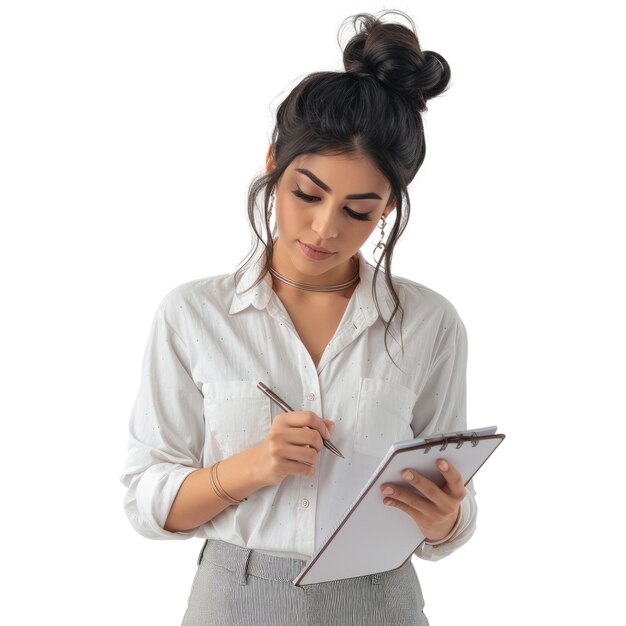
(292, 446)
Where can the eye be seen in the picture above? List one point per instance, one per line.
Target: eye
(298, 193)
(363, 217)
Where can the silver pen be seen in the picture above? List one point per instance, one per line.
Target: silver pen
(285, 407)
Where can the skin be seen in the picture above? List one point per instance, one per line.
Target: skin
(326, 223)
(437, 511)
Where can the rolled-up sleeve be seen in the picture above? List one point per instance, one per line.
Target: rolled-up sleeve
(441, 408)
(166, 431)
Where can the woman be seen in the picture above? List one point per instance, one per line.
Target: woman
(211, 456)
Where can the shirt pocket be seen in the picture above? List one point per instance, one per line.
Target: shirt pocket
(384, 413)
(237, 414)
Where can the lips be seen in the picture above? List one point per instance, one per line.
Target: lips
(310, 245)
(314, 255)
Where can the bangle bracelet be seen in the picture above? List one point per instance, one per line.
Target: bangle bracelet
(217, 487)
(215, 483)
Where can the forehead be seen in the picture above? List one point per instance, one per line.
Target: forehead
(342, 171)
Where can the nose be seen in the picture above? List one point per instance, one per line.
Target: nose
(325, 222)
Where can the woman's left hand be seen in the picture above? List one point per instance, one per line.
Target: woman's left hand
(437, 511)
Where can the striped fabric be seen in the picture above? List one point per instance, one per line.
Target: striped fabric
(239, 586)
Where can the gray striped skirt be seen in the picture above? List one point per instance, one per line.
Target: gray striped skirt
(236, 586)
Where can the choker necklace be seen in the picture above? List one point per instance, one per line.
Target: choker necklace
(306, 287)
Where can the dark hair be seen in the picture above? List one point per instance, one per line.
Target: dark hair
(373, 109)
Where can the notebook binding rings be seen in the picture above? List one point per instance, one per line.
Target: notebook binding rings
(444, 441)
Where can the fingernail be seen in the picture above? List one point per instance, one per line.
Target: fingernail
(387, 490)
(408, 475)
(443, 465)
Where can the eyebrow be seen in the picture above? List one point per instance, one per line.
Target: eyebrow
(353, 196)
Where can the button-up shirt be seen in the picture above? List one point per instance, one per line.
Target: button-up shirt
(209, 345)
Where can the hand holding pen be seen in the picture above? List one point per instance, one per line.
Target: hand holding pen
(294, 442)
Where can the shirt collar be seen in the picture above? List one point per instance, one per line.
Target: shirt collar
(260, 296)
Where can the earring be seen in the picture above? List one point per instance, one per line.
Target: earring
(380, 245)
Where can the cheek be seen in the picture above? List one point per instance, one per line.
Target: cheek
(289, 217)
(366, 233)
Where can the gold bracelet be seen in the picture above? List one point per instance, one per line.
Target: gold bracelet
(218, 488)
(215, 483)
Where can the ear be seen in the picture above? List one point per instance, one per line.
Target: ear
(390, 208)
(269, 160)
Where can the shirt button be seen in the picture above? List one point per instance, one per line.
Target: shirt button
(304, 502)
(311, 396)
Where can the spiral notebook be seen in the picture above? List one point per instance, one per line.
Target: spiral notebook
(372, 537)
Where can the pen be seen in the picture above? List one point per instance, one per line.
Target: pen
(285, 407)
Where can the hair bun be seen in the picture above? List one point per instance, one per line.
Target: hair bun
(391, 54)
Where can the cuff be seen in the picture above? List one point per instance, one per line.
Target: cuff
(156, 492)
(465, 530)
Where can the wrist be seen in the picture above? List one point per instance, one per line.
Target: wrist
(219, 490)
(254, 467)
(238, 475)
(455, 526)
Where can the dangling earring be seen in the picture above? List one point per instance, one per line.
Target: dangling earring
(380, 244)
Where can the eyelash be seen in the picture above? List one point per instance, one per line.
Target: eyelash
(362, 217)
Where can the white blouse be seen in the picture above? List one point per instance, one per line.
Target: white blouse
(198, 402)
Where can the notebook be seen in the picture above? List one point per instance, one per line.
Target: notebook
(373, 537)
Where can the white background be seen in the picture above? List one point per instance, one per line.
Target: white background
(129, 132)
